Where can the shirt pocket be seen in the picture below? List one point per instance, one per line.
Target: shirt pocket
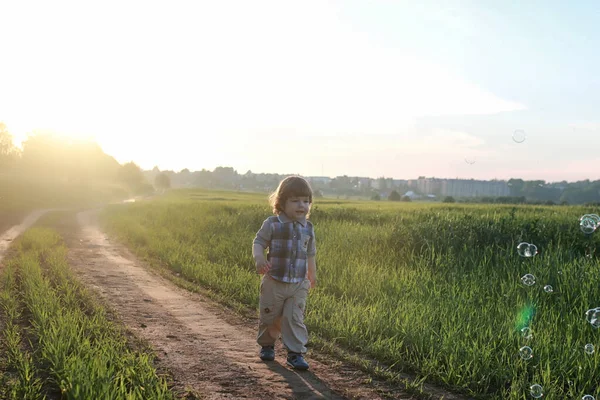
(304, 241)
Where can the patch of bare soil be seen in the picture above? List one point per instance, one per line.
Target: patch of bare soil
(207, 349)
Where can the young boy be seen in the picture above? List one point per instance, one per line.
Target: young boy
(289, 270)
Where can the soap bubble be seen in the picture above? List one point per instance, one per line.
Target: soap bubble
(528, 279)
(589, 348)
(526, 353)
(470, 160)
(548, 289)
(590, 312)
(519, 136)
(526, 249)
(593, 317)
(588, 223)
(526, 333)
(588, 397)
(536, 391)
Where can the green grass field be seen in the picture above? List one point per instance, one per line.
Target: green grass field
(57, 342)
(430, 289)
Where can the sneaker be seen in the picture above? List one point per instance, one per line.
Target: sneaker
(267, 353)
(296, 361)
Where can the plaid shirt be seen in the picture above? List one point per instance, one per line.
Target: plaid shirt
(290, 243)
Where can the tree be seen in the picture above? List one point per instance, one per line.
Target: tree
(8, 152)
(449, 199)
(162, 181)
(131, 174)
(394, 196)
(53, 156)
(225, 177)
(405, 198)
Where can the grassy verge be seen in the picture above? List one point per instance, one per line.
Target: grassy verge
(76, 351)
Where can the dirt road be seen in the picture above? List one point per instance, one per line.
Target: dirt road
(208, 350)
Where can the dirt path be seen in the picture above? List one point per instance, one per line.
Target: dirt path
(207, 349)
(8, 236)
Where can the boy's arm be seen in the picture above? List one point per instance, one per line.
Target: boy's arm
(262, 240)
(312, 263)
(258, 251)
(312, 271)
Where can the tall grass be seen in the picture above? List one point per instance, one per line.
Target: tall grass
(20, 380)
(431, 289)
(79, 353)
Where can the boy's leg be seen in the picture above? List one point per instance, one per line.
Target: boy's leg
(271, 306)
(294, 332)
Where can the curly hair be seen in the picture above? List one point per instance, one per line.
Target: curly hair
(292, 186)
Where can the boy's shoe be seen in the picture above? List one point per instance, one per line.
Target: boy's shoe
(267, 353)
(296, 361)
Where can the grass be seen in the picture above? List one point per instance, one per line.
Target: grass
(430, 289)
(57, 341)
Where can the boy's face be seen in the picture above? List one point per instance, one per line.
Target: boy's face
(296, 207)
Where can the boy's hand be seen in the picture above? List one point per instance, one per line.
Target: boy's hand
(262, 266)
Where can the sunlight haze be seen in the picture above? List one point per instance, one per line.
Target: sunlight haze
(396, 89)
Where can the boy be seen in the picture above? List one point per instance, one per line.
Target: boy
(289, 270)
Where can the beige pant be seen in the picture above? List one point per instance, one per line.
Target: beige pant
(282, 308)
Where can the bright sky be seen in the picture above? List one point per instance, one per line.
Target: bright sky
(364, 88)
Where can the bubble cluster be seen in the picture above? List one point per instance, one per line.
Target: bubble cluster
(588, 223)
(536, 391)
(519, 136)
(528, 280)
(527, 249)
(593, 317)
(526, 353)
(470, 160)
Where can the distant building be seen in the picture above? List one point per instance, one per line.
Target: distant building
(412, 195)
(323, 180)
(473, 188)
(429, 185)
(365, 183)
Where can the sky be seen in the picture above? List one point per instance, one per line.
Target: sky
(398, 89)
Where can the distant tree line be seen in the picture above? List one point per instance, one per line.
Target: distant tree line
(48, 157)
